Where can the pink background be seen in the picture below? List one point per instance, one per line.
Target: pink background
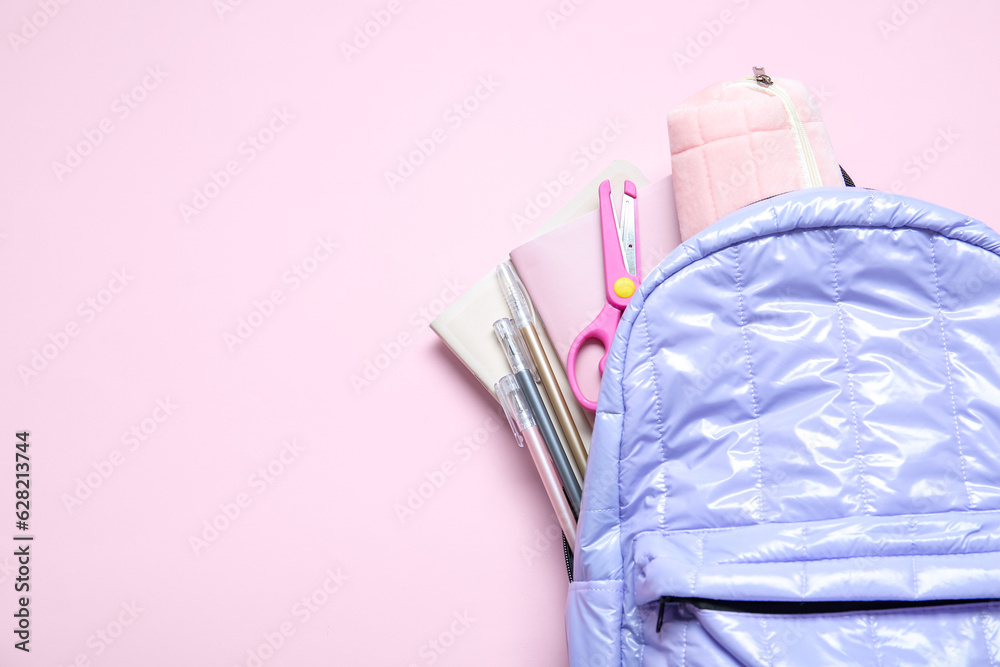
(472, 576)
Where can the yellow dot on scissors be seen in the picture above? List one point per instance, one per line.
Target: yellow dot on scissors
(624, 287)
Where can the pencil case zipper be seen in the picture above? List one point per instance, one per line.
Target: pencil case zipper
(807, 160)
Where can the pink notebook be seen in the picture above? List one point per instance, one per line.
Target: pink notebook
(563, 270)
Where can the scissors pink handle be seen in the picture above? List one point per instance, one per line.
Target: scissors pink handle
(601, 329)
(614, 265)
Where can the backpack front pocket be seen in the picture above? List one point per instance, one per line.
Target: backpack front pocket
(872, 590)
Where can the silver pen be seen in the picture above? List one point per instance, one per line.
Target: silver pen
(526, 374)
(523, 314)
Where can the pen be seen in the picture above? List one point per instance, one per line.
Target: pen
(524, 371)
(522, 423)
(523, 314)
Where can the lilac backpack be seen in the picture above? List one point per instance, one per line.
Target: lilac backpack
(796, 454)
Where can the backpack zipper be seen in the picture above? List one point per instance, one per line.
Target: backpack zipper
(569, 558)
(804, 608)
(848, 181)
(810, 170)
(659, 614)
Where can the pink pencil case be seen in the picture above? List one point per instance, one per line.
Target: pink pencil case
(742, 141)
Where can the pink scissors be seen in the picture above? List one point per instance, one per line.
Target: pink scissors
(621, 278)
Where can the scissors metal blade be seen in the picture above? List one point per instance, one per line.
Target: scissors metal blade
(626, 232)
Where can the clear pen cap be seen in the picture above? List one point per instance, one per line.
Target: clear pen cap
(516, 296)
(514, 347)
(514, 406)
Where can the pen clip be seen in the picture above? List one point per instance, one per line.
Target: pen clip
(514, 348)
(515, 406)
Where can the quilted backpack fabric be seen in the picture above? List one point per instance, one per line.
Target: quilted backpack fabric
(796, 454)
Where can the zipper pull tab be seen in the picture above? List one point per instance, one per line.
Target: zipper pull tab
(761, 77)
(659, 614)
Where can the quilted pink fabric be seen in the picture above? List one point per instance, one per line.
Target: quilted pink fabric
(732, 145)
